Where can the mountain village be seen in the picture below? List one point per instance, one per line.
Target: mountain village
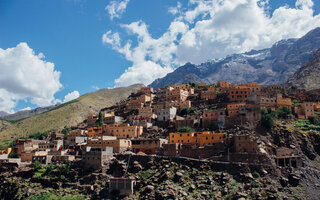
(204, 122)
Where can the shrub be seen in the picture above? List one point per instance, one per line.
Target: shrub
(99, 122)
(267, 121)
(187, 111)
(13, 154)
(255, 174)
(36, 165)
(185, 129)
(314, 120)
(66, 130)
(284, 112)
(39, 135)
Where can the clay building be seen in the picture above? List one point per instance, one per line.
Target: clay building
(244, 144)
(96, 157)
(118, 145)
(166, 114)
(122, 131)
(198, 138)
(147, 90)
(148, 145)
(304, 110)
(213, 118)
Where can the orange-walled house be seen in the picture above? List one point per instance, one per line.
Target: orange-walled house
(283, 102)
(211, 93)
(305, 110)
(238, 94)
(147, 113)
(176, 95)
(138, 102)
(225, 84)
(317, 107)
(93, 131)
(148, 145)
(147, 90)
(199, 138)
(254, 87)
(212, 117)
(122, 131)
(91, 120)
(118, 145)
(234, 108)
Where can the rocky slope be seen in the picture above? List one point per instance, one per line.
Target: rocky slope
(268, 66)
(70, 113)
(307, 77)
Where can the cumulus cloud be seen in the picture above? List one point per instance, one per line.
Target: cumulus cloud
(116, 8)
(71, 96)
(208, 29)
(23, 74)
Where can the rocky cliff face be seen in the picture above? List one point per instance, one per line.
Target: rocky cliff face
(268, 66)
(307, 77)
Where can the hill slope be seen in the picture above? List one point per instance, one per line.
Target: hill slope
(27, 113)
(70, 113)
(307, 77)
(267, 66)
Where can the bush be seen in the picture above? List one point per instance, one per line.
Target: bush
(187, 111)
(66, 130)
(39, 135)
(36, 165)
(185, 129)
(99, 122)
(314, 120)
(284, 112)
(267, 121)
(255, 174)
(254, 184)
(13, 154)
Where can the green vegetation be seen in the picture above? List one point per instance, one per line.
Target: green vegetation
(66, 130)
(53, 196)
(194, 85)
(145, 174)
(99, 122)
(39, 135)
(70, 113)
(134, 111)
(294, 87)
(306, 125)
(284, 112)
(36, 165)
(188, 111)
(295, 102)
(185, 129)
(6, 144)
(13, 154)
(256, 174)
(266, 119)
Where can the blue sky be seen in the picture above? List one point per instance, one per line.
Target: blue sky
(103, 44)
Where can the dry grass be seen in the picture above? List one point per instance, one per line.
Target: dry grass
(69, 114)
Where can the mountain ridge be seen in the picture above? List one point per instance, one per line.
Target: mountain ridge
(266, 66)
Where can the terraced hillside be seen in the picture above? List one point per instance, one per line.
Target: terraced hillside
(70, 113)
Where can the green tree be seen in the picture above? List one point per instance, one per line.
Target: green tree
(66, 130)
(314, 119)
(295, 102)
(134, 111)
(185, 129)
(99, 122)
(284, 112)
(13, 154)
(294, 87)
(267, 118)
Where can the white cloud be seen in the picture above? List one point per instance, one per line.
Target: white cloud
(25, 109)
(208, 29)
(71, 96)
(23, 74)
(117, 8)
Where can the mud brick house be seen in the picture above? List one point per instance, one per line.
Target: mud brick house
(304, 110)
(147, 90)
(244, 144)
(234, 108)
(148, 145)
(212, 118)
(118, 145)
(166, 114)
(139, 101)
(176, 94)
(157, 106)
(178, 104)
(198, 138)
(91, 120)
(43, 159)
(93, 131)
(238, 94)
(51, 145)
(147, 113)
(211, 93)
(161, 93)
(263, 100)
(225, 84)
(189, 121)
(283, 102)
(122, 131)
(110, 118)
(26, 145)
(96, 157)
(26, 156)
